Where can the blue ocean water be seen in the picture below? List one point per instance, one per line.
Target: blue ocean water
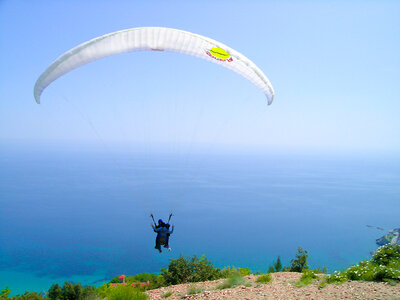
(83, 216)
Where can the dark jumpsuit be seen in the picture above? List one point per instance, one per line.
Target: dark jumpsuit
(162, 238)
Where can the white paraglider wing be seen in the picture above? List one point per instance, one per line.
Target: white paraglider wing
(156, 39)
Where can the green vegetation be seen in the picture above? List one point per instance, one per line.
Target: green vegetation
(307, 278)
(167, 294)
(388, 256)
(276, 266)
(125, 292)
(180, 270)
(194, 269)
(227, 272)
(155, 280)
(266, 278)
(299, 263)
(384, 266)
(4, 293)
(233, 280)
(193, 289)
(318, 270)
(26, 296)
(244, 271)
(70, 291)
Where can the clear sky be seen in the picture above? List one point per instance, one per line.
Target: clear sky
(334, 65)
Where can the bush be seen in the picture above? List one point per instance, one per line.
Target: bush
(306, 279)
(276, 266)
(193, 290)
(386, 255)
(26, 296)
(227, 272)
(125, 292)
(70, 291)
(204, 270)
(89, 292)
(4, 293)
(155, 281)
(103, 290)
(233, 280)
(55, 292)
(299, 263)
(179, 271)
(383, 266)
(324, 270)
(166, 294)
(244, 271)
(183, 270)
(266, 278)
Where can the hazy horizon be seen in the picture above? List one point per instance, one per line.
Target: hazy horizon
(335, 69)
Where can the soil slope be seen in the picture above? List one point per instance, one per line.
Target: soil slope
(282, 287)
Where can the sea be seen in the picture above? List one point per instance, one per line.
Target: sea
(83, 215)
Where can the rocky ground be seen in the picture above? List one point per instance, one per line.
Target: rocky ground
(282, 287)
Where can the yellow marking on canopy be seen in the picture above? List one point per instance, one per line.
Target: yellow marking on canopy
(220, 53)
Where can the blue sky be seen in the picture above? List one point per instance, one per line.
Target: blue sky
(334, 66)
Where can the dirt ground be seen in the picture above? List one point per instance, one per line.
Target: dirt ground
(282, 287)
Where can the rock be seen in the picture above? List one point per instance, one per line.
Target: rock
(391, 238)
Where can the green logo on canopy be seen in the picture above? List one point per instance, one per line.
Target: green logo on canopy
(220, 53)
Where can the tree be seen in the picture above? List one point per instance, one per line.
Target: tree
(72, 291)
(278, 265)
(299, 263)
(193, 269)
(55, 292)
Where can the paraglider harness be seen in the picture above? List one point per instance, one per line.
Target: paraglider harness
(166, 225)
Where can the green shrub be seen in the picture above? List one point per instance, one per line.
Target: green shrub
(299, 263)
(72, 291)
(155, 281)
(179, 271)
(55, 292)
(244, 271)
(193, 290)
(386, 255)
(204, 270)
(226, 272)
(125, 292)
(306, 279)
(336, 277)
(89, 292)
(277, 265)
(266, 278)
(233, 280)
(27, 296)
(324, 270)
(384, 266)
(166, 294)
(103, 290)
(194, 269)
(4, 293)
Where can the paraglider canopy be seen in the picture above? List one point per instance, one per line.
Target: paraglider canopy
(154, 39)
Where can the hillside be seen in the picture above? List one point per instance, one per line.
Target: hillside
(282, 286)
